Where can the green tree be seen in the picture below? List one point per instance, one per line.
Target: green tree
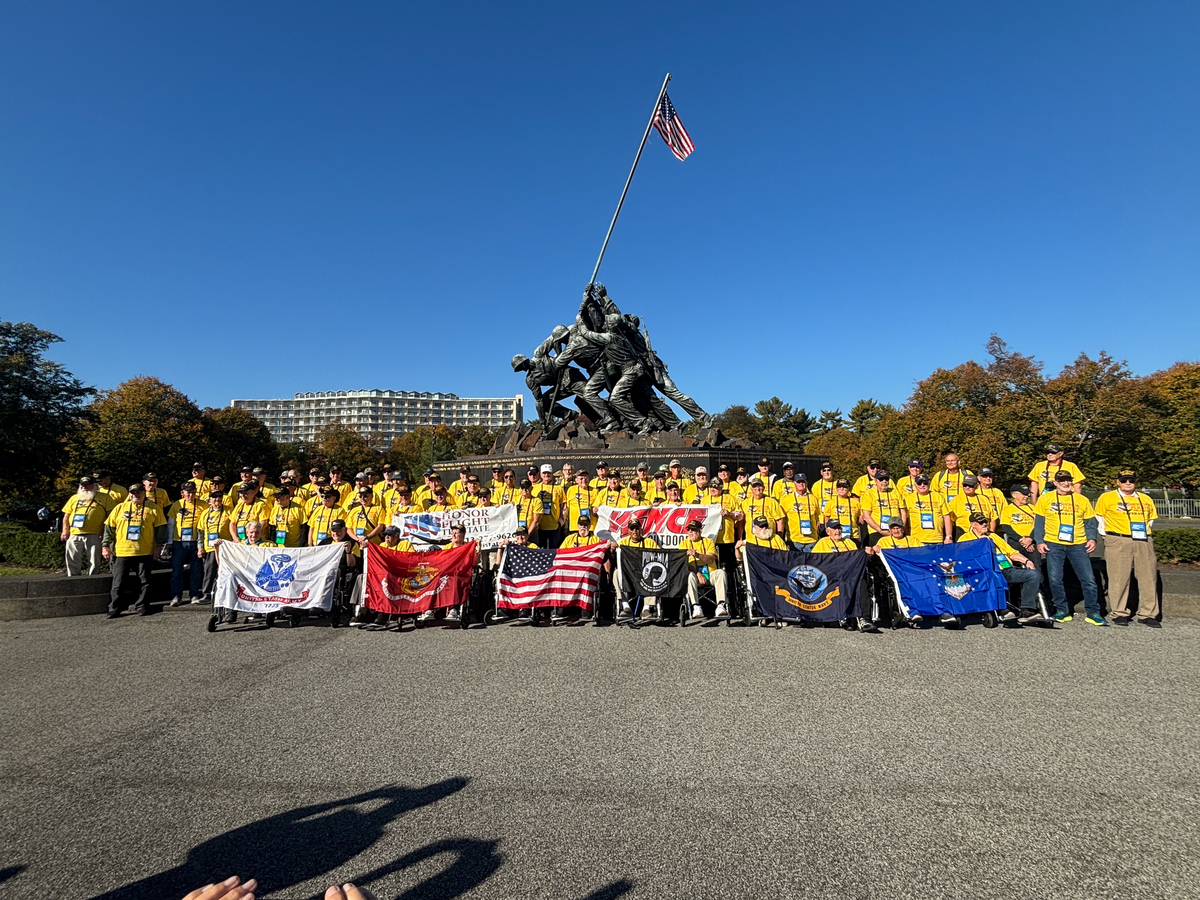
(420, 448)
(780, 427)
(474, 440)
(830, 419)
(142, 425)
(738, 422)
(865, 415)
(40, 406)
(342, 446)
(1171, 438)
(236, 438)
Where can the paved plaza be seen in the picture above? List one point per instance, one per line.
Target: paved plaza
(144, 757)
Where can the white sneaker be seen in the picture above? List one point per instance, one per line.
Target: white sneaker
(722, 610)
(199, 598)
(425, 616)
(452, 614)
(697, 611)
(176, 601)
(626, 610)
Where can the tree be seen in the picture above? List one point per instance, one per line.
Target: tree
(780, 427)
(342, 446)
(737, 422)
(830, 419)
(846, 450)
(865, 415)
(1171, 441)
(40, 405)
(474, 441)
(420, 448)
(143, 425)
(235, 438)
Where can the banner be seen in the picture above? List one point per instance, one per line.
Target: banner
(531, 579)
(947, 578)
(667, 523)
(796, 584)
(410, 583)
(486, 526)
(267, 578)
(653, 573)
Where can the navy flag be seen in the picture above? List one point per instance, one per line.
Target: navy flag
(947, 578)
(653, 572)
(813, 587)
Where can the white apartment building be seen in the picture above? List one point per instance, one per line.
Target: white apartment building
(387, 413)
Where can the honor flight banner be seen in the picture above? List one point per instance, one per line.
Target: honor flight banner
(667, 523)
(405, 584)
(947, 578)
(486, 526)
(267, 578)
(813, 587)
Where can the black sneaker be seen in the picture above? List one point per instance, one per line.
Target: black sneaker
(1119, 620)
(948, 620)
(1151, 623)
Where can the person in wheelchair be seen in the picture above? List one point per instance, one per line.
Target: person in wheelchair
(348, 568)
(702, 561)
(1016, 569)
(582, 536)
(635, 538)
(391, 541)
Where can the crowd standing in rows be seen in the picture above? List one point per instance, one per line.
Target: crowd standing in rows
(1040, 527)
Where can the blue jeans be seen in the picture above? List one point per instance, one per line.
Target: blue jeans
(185, 552)
(1056, 555)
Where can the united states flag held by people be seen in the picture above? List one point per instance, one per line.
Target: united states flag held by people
(532, 579)
(666, 120)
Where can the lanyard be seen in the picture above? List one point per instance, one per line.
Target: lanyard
(1125, 507)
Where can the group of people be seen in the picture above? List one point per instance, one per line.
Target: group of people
(1043, 524)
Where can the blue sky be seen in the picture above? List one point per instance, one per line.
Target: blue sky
(413, 193)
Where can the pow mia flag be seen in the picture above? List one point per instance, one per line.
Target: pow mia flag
(647, 572)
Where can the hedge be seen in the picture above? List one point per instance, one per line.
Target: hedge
(1177, 545)
(36, 550)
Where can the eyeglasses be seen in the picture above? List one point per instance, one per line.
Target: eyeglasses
(1125, 480)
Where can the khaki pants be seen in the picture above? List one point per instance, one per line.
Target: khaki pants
(716, 576)
(83, 554)
(1124, 555)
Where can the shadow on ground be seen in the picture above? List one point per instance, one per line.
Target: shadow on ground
(306, 843)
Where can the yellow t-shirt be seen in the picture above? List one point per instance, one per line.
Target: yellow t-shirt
(645, 541)
(319, 521)
(803, 514)
(243, 513)
(728, 533)
(467, 500)
(1042, 474)
(824, 490)
(574, 540)
(920, 507)
(203, 487)
(774, 542)
(345, 491)
(1065, 515)
(845, 509)
(617, 499)
(906, 485)
(654, 492)
(116, 492)
(549, 498)
(999, 545)
(397, 508)
(877, 504)
(87, 516)
(527, 508)
(767, 506)
(360, 520)
(901, 543)
(997, 498)
(703, 547)
(214, 526)
(829, 545)
(133, 525)
(1019, 518)
(502, 495)
(863, 484)
(288, 520)
(1122, 513)
(578, 505)
(402, 546)
(949, 485)
(964, 505)
(186, 519)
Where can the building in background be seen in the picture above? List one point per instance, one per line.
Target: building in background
(386, 413)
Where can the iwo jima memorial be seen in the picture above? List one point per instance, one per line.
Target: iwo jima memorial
(605, 365)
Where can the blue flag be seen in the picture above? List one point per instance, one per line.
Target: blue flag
(947, 578)
(814, 587)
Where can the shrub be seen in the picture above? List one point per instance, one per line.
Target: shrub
(21, 547)
(1177, 545)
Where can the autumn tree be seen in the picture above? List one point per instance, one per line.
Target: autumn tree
(417, 450)
(234, 438)
(475, 440)
(340, 445)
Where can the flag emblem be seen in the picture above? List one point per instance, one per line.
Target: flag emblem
(275, 573)
(807, 581)
(666, 120)
(414, 583)
(952, 582)
(654, 571)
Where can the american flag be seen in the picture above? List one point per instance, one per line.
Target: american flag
(667, 122)
(536, 578)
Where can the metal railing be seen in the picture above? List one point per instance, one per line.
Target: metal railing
(1178, 508)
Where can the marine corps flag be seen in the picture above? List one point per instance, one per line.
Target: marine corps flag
(815, 587)
(410, 583)
(653, 572)
(947, 578)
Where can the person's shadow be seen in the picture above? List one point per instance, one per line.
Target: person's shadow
(306, 843)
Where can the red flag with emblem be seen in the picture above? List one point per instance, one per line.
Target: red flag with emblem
(410, 583)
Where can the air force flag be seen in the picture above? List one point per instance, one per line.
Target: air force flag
(947, 578)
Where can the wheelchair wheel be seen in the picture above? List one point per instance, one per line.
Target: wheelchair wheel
(990, 620)
(212, 624)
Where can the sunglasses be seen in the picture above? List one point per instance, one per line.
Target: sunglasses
(1125, 480)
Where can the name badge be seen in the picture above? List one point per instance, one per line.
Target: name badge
(280, 536)
(885, 522)
(585, 515)
(320, 536)
(546, 507)
(185, 535)
(806, 526)
(1066, 534)
(213, 537)
(360, 531)
(241, 532)
(521, 522)
(1002, 561)
(927, 521)
(133, 533)
(77, 520)
(1137, 531)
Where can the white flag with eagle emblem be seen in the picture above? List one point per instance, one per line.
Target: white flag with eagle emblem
(267, 578)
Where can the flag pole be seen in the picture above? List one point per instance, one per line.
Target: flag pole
(632, 169)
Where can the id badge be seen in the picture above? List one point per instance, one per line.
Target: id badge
(280, 536)
(585, 515)
(885, 522)
(806, 527)
(360, 531)
(1137, 531)
(927, 521)
(213, 537)
(133, 533)
(185, 535)
(241, 532)
(546, 507)
(1066, 534)
(320, 536)
(77, 520)
(1002, 561)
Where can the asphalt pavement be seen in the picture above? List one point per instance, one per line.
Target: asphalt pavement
(144, 757)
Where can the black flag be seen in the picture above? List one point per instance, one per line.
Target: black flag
(652, 572)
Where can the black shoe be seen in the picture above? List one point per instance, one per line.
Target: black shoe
(114, 614)
(144, 612)
(1119, 620)
(270, 619)
(1151, 623)
(948, 620)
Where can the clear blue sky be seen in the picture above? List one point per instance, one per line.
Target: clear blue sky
(414, 192)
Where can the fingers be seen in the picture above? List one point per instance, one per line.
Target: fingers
(353, 893)
(229, 889)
